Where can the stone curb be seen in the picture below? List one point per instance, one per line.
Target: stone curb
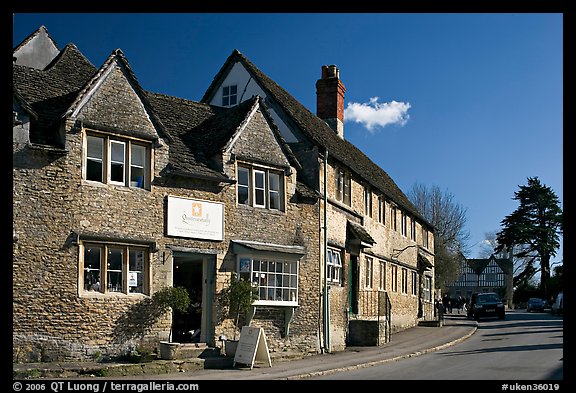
(377, 362)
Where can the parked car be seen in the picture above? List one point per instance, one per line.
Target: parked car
(486, 304)
(535, 305)
(558, 305)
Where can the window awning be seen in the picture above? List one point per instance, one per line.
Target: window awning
(248, 246)
(359, 235)
(423, 261)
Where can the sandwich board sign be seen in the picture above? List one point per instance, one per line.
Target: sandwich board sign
(252, 347)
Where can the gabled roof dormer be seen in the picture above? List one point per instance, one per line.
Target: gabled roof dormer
(113, 100)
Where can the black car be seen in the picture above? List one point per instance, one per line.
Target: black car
(535, 305)
(486, 304)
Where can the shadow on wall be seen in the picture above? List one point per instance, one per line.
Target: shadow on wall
(138, 319)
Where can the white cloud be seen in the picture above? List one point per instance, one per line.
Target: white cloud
(374, 114)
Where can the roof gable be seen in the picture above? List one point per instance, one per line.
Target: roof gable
(37, 50)
(256, 140)
(113, 99)
(51, 91)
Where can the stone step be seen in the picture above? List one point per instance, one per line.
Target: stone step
(201, 350)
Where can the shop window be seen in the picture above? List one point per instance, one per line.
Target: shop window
(276, 279)
(123, 162)
(112, 268)
(260, 187)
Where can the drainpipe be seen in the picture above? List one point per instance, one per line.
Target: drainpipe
(326, 293)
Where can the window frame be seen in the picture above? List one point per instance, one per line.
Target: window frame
(394, 278)
(227, 98)
(425, 239)
(368, 272)
(394, 218)
(382, 276)
(367, 201)
(248, 260)
(105, 249)
(108, 140)
(343, 186)
(335, 269)
(381, 210)
(403, 223)
(414, 282)
(267, 172)
(404, 280)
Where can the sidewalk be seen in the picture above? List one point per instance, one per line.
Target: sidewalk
(408, 343)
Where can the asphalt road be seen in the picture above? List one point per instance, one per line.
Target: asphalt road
(525, 346)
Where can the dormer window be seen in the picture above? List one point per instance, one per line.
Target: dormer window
(260, 187)
(229, 95)
(118, 161)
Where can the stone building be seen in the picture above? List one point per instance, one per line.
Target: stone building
(376, 248)
(118, 192)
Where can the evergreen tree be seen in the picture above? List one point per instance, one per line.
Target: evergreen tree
(535, 226)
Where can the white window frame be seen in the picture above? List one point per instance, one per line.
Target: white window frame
(394, 218)
(266, 174)
(334, 266)
(111, 162)
(102, 286)
(368, 272)
(255, 173)
(106, 161)
(262, 269)
(414, 283)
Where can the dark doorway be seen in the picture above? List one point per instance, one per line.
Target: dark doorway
(188, 273)
(354, 283)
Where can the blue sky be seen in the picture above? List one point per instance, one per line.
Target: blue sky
(471, 103)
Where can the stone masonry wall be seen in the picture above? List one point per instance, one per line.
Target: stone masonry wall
(55, 320)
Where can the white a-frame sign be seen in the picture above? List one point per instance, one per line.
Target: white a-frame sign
(252, 347)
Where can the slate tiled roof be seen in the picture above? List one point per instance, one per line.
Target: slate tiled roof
(50, 92)
(320, 133)
(180, 116)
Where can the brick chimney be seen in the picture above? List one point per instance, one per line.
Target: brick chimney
(330, 99)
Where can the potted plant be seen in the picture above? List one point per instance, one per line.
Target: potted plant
(238, 296)
(170, 298)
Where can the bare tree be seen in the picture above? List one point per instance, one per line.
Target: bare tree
(450, 236)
